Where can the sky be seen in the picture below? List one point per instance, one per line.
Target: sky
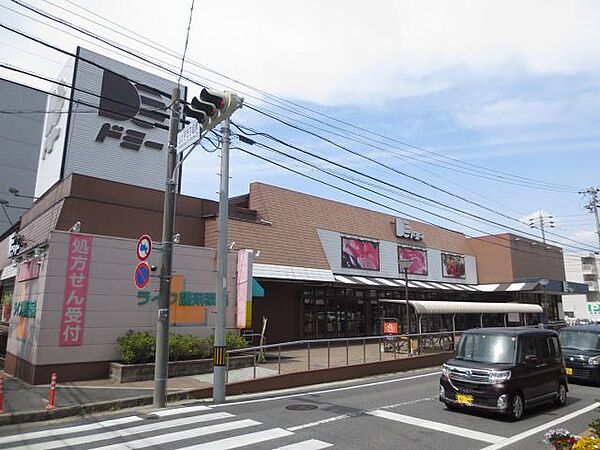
(487, 112)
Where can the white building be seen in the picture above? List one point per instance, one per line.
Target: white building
(582, 269)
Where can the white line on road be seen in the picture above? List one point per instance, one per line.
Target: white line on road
(526, 434)
(116, 434)
(437, 426)
(320, 422)
(68, 430)
(169, 438)
(240, 441)
(326, 391)
(174, 411)
(312, 444)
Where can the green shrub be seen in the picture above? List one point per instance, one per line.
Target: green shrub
(137, 347)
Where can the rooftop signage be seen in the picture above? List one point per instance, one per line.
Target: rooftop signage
(403, 231)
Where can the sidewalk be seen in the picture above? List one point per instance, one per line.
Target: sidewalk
(22, 400)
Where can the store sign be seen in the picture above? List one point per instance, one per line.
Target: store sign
(15, 243)
(76, 286)
(29, 270)
(593, 308)
(25, 309)
(403, 231)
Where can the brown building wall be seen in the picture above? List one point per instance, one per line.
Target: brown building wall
(289, 235)
(507, 257)
(281, 306)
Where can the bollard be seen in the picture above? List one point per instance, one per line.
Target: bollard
(1, 394)
(52, 392)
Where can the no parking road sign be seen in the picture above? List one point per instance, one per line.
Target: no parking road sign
(141, 277)
(144, 247)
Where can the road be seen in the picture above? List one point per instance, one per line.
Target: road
(385, 412)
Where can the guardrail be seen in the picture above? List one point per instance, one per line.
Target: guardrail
(302, 355)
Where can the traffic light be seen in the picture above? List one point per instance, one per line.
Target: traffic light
(212, 107)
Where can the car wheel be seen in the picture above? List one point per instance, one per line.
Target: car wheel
(561, 395)
(516, 407)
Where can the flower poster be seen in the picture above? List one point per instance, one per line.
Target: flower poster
(418, 258)
(453, 266)
(360, 254)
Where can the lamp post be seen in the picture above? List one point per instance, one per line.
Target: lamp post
(544, 282)
(404, 264)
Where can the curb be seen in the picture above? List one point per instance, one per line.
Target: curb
(88, 408)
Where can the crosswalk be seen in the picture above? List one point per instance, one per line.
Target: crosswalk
(196, 427)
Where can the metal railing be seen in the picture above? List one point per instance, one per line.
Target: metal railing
(312, 354)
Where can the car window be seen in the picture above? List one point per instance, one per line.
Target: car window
(527, 347)
(554, 348)
(542, 347)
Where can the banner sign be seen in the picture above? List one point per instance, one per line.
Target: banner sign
(76, 285)
(244, 288)
(593, 308)
(29, 270)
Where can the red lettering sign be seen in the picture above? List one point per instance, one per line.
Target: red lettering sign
(76, 285)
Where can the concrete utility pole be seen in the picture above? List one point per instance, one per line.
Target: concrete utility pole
(161, 367)
(593, 207)
(219, 369)
(543, 221)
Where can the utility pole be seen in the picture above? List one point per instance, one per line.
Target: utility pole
(593, 206)
(162, 325)
(543, 221)
(219, 369)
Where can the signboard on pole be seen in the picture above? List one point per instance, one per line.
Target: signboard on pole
(188, 136)
(144, 247)
(141, 276)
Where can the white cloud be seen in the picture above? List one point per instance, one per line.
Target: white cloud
(515, 112)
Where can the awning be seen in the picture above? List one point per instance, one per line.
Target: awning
(435, 285)
(278, 272)
(9, 271)
(441, 307)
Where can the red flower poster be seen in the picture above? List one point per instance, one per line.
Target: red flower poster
(453, 266)
(418, 258)
(360, 254)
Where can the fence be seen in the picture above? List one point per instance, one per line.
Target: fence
(297, 356)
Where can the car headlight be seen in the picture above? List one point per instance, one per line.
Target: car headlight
(498, 376)
(445, 370)
(594, 361)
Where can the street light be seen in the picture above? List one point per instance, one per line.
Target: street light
(3, 204)
(15, 192)
(404, 264)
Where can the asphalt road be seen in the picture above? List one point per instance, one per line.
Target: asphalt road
(398, 411)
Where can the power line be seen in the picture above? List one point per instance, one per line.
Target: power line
(187, 38)
(66, 23)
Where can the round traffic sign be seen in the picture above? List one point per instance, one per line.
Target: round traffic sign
(141, 277)
(144, 247)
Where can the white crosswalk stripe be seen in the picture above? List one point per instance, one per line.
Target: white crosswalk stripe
(196, 427)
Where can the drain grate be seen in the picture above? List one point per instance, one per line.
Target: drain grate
(301, 407)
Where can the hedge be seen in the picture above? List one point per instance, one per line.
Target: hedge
(138, 347)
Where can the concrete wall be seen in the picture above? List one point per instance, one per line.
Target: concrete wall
(113, 305)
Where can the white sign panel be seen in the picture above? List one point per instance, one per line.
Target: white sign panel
(125, 124)
(188, 136)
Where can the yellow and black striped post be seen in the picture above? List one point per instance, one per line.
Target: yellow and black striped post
(219, 356)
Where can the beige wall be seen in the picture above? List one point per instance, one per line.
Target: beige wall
(112, 303)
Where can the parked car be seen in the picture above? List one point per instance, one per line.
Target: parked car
(581, 352)
(504, 370)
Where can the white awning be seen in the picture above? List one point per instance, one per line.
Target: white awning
(440, 307)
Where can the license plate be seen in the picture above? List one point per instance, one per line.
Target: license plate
(464, 399)
(569, 370)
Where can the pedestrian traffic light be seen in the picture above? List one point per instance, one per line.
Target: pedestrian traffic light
(212, 107)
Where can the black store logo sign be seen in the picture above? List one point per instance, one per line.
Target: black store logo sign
(142, 105)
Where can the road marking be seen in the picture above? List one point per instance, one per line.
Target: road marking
(320, 422)
(312, 444)
(68, 430)
(325, 391)
(172, 412)
(151, 442)
(526, 434)
(125, 432)
(437, 426)
(240, 441)
(359, 413)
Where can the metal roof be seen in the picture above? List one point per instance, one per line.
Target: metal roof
(441, 307)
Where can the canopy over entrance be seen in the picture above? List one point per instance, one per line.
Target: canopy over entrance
(441, 307)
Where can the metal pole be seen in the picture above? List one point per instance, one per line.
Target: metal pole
(407, 310)
(279, 361)
(328, 354)
(161, 361)
(364, 350)
(219, 346)
(347, 360)
(308, 349)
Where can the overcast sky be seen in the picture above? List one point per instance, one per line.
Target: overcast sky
(504, 89)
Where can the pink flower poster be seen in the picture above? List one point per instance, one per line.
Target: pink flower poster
(360, 254)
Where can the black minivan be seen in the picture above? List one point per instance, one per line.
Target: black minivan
(581, 352)
(504, 370)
